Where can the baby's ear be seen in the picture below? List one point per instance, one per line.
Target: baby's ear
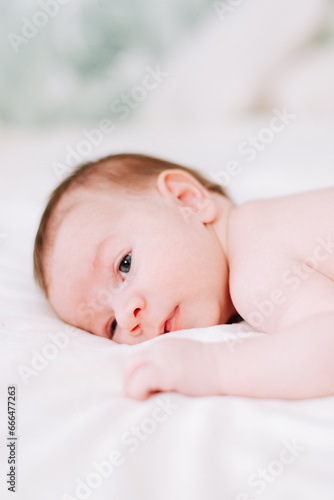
(183, 189)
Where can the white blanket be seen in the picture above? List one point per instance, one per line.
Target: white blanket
(78, 437)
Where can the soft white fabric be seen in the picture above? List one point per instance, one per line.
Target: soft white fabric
(71, 411)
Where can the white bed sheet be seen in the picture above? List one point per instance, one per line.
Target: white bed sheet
(71, 411)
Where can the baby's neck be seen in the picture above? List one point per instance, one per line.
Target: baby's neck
(221, 225)
(221, 228)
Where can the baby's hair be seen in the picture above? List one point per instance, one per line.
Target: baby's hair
(132, 172)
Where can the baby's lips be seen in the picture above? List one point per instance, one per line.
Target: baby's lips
(170, 324)
(174, 321)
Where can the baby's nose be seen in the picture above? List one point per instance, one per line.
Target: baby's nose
(129, 315)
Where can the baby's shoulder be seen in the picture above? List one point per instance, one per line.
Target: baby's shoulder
(268, 237)
(253, 228)
(281, 224)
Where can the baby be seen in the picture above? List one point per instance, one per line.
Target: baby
(132, 247)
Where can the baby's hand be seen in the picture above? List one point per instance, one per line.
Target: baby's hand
(172, 364)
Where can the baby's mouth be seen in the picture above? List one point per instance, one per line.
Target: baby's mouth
(170, 323)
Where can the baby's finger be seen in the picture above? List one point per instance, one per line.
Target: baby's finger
(141, 381)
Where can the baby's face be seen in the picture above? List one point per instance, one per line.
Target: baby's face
(132, 268)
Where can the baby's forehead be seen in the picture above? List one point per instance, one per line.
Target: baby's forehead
(82, 202)
(80, 198)
(115, 195)
(76, 204)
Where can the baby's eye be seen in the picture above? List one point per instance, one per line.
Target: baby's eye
(125, 264)
(112, 328)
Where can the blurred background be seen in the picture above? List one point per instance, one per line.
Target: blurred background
(65, 61)
(193, 81)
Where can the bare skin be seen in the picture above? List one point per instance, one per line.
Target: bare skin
(271, 261)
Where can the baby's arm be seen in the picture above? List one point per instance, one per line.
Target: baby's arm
(295, 363)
